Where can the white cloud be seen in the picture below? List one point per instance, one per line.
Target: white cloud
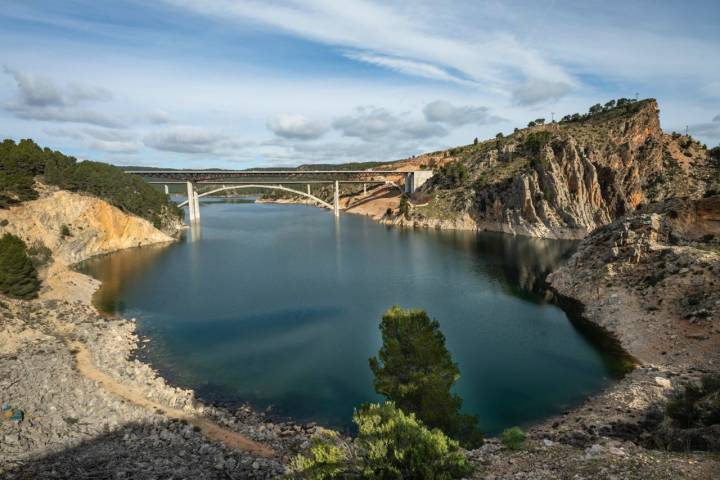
(445, 112)
(158, 117)
(296, 126)
(39, 98)
(185, 140)
(115, 146)
(371, 123)
(540, 91)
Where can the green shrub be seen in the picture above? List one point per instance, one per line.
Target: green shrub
(18, 277)
(39, 254)
(696, 405)
(415, 370)
(513, 438)
(536, 141)
(65, 231)
(453, 174)
(390, 445)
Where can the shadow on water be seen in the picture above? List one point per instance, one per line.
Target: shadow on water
(522, 265)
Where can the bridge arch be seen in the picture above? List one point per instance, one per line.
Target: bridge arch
(270, 187)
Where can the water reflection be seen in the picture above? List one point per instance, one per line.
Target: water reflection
(520, 264)
(120, 269)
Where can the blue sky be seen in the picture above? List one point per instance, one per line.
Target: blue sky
(237, 84)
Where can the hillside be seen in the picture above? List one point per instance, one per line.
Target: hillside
(562, 180)
(23, 164)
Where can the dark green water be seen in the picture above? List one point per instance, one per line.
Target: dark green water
(279, 305)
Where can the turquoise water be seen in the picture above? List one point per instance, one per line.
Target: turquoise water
(279, 305)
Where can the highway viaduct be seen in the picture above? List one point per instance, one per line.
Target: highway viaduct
(278, 180)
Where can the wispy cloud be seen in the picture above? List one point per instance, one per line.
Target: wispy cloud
(393, 38)
(409, 67)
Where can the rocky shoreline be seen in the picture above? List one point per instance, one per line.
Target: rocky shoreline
(73, 425)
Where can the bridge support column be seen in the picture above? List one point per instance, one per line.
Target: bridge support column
(336, 199)
(196, 198)
(308, 189)
(167, 190)
(193, 203)
(364, 188)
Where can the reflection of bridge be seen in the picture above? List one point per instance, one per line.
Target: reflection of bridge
(278, 180)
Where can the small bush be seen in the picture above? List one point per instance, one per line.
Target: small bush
(536, 141)
(390, 444)
(513, 438)
(65, 231)
(696, 405)
(39, 254)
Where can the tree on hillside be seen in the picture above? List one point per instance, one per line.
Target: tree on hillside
(404, 206)
(597, 108)
(415, 370)
(18, 277)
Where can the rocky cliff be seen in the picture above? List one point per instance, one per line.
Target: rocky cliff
(75, 226)
(562, 180)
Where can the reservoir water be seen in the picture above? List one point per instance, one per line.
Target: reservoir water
(279, 306)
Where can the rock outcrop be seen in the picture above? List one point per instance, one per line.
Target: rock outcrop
(653, 279)
(563, 180)
(75, 226)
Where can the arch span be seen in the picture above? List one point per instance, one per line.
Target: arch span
(270, 187)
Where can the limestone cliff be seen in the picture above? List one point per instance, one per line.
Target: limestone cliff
(94, 226)
(562, 180)
(652, 278)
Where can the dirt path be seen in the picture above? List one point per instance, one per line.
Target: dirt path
(135, 395)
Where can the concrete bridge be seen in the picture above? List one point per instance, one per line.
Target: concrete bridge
(278, 180)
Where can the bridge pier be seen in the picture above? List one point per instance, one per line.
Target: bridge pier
(308, 189)
(364, 188)
(336, 199)
(193, 203)
(196, 198)
(167, 189)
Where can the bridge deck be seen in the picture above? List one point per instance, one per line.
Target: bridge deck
(205, 175)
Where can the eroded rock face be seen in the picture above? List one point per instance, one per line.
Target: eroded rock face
(95, 227)
(653, 279)
(565, 180)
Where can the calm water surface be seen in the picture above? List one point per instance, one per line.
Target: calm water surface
(279, 305)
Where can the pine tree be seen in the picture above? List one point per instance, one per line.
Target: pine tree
(415, 370)
(18, 277)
